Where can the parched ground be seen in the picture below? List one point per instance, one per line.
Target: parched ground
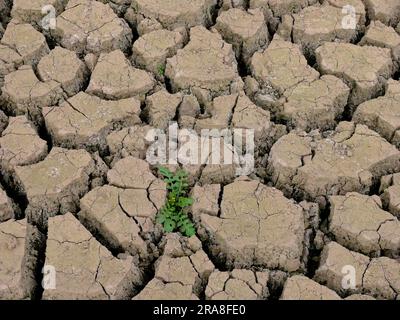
(80, 97)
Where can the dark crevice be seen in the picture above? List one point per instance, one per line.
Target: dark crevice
(309, 54)
(347, 114)
(168, 85)
(314, 254)
(276, 283)
(215, 256)
(86, 80)
(119, 9)
(243, 70)
(40, 247)
(115, 250)
(148, 274)
(324, 216)
(51, 42)
(214, 13)
(44, 135)
(314, 257)
(144, 114)
(360, 34)
(374, 188)
(4, 107)
(396, 76)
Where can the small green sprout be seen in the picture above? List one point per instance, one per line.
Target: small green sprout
(161, 70)
(173, 215)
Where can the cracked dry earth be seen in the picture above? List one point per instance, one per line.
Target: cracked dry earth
(78, 199)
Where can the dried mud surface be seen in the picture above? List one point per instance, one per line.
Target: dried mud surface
(78, 200)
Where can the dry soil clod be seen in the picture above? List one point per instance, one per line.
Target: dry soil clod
(91, 92)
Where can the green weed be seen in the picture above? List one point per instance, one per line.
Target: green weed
(161, 70)
(173, 215)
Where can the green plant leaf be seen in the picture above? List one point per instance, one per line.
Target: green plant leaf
(169, 225)
(160, 218)
(161, 70)
(189, 230)
(172, 215)
(165, 172)
(185, 202)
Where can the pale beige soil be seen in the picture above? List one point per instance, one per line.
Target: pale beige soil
(79, 104)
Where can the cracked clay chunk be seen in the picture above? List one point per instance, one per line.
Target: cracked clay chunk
(10, 60)
(247, 115)
(64, 67)
(205, 200)
(281, 67)
(287, 155)
(357, 5)
(146, 25)
(316, 105)
(131, 173)
(388, 181)
(151, 50)
(350, 159)
(84, 121)
(130, 141)
(246, 31)
(366, 69)
(380, 35)
(219, 113)
(359, 297)
(245, 232)
(219, 160)
(30, 44)
(336, 262)
(109, 210)
(3, 121)
(318, 24)
(19, 252)
(88, 26)
(84, 269)
(237, 285)
(181, 272)
(359, 223)
(161, 108)
(387, 11)
(32, 11)
(6, 206)
(274, 10)
(179, 269)
(156, 289)
(55, 184)
(299, 287)
(206, 63)
(377, 277)
(24, 93)
(20, 145)
(175, 278)
(281, 7)
(391, 200)
(228, 4)
(144, 190)
(175, 13)
(114, 78)
(383, 114)
(126, 209)
(382, 278)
